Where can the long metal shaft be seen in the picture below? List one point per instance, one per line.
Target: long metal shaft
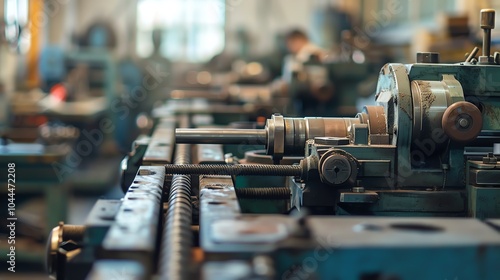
(175, 254)
(220, 136)
(486, 42)
(239, 169)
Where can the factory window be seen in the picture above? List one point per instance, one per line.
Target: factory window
(15, 20)
(394, 12)
(192, 30)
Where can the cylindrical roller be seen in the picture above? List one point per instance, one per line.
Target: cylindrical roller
(487, 18)
(298, 130)
(282, 136)
(239, 169)
(487, 23)
(220, 136)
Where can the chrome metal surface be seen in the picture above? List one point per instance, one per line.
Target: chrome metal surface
(220, 136)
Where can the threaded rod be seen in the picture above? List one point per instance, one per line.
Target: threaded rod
(175, 253)
(264, 193)
(239, 169)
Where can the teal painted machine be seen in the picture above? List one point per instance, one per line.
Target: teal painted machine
(426, 148)
(423, 159)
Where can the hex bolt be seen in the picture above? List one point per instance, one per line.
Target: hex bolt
(464, 123)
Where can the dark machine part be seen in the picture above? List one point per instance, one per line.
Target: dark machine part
(338, 168)
(62, 244)
(264, 193)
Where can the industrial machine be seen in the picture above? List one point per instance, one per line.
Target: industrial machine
(329, 87)
(406, 189)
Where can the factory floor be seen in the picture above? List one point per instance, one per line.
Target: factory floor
(79, 205)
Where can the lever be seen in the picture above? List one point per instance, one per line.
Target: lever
(487, 23)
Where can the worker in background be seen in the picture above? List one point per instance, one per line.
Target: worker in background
(300, 47)
(157, 70)
(309, 89)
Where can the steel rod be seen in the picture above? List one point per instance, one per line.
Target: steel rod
(220, 136)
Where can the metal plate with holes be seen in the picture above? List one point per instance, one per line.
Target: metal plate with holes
(369, 248)
(223, 228)
(226, 270)
(161, 145)
(249, 230)
(393, 248)
(209, 154)
(402, 232)
(117, 269)
(100, 219)
(133, 234)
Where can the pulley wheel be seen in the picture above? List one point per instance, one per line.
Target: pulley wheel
(462, 121)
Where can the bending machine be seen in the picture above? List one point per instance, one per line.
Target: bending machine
(406, 189)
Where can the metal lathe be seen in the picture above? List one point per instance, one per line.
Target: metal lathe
(408, 188)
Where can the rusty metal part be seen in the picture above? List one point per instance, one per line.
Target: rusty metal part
(377, 121)
(462, 121)
(430, 100)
